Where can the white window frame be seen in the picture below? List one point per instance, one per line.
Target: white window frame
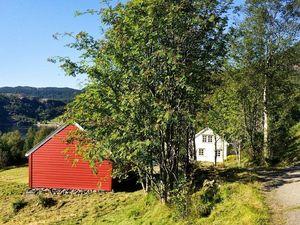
(209, 138)
(204, 138)
(219, 152)
(201, 150)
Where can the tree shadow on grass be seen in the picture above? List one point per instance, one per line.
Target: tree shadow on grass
(13, 167)
(228, 175)
(270, 177)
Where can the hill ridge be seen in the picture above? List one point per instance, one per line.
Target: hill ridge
(65, 94)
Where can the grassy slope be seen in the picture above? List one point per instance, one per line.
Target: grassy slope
(241, 204)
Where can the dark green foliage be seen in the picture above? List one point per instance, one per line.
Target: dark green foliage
(13, 146)
(62, 94)
(30, 139)
(47, 202)
(41, 134)
(268, 55)
(257, 101)
(4, 157)
(21, 112)
(181, 198)
(18, 205)
(18, 112)
(292, 154)
(11, 149)
(36, 135)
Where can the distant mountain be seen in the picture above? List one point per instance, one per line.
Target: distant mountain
(18, 112)
(53, 93)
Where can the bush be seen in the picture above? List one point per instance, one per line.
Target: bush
(18, 205)
(231, 161)
(180, 198)
(47, 202)
(204, 201)
(292, 153)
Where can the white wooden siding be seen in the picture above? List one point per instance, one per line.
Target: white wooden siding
(209, 147)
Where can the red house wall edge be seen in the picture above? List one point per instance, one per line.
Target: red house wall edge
(30, 171)
(40, 164)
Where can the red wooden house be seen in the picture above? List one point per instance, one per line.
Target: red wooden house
(50, 166)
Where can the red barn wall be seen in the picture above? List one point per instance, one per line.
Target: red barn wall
(49, 167)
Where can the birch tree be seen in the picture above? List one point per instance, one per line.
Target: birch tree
(264, 58)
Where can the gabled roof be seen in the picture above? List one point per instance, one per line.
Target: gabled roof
(46, 139)
(206, 129)
(202, 131)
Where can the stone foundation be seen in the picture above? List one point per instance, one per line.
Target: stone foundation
(60, 191)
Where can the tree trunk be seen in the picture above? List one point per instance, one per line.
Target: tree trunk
(215, 136)
(223, 150)
(194, 145)
(187, 152)
(265, 125)
(142, 181)
(239, 154)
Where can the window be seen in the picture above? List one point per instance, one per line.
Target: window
(209, 138)
(218, 152)
(201, 151)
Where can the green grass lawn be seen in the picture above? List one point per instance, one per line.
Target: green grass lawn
(240, 203)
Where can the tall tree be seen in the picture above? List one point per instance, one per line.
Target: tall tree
(264, 57)
(11, 149)
(29, 140)
(39, 135)
(147, 82)
(224, 114)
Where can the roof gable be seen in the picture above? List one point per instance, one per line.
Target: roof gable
(205, 130)
(202, 131)
(46, 139)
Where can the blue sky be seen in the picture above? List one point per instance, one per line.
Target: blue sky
(26, 40)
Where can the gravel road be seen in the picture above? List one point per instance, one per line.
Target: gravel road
(282, 188)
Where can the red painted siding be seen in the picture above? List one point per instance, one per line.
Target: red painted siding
(29, 170)
(49, 167)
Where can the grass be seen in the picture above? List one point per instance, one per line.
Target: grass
(240, 203)
(14, 175)
(230, 162)
(297, 207)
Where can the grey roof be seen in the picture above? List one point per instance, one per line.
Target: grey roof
(46, 139)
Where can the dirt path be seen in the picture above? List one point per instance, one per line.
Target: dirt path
(282, 189)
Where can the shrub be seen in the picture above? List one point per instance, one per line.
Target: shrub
(18, 205)
(180, 198)
(204, 201)
(47, 202)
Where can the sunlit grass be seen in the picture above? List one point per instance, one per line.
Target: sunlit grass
(241, 203)
(14, 174)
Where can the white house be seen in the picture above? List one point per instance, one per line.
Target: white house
(205, 146)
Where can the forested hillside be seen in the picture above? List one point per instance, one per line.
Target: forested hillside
(23, 112)
(63, 94)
